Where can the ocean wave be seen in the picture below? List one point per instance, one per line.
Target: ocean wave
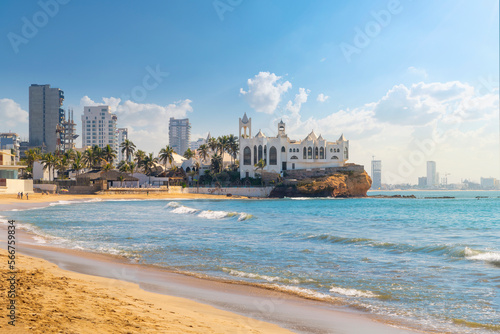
(485, 256)
(172, 205)
(244, 216)
(302, 292)
(243, 274)
(184, 210)
(353, 292)
(63, 202)
(209, 214)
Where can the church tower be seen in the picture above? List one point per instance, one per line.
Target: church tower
(246, 126)
(281, 129)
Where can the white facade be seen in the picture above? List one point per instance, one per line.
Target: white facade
(281, 153)
(432, 176)
(122, 136)
(376, 174)
(99, 127)
(194, 145)
(179, 134)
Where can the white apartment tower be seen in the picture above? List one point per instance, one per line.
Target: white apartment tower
(99, 127)
(122, 136)
(376, 174)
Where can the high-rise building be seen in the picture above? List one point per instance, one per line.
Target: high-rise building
(99, 127)
(122, 136)
(179, 133)
(45, 114)
(376, 174)
(432, 176)
(10, 141)
(194, 145)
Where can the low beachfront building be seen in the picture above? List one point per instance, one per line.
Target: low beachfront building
(9, 175)
(281, 153)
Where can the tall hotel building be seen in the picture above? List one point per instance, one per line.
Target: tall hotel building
(122, 136)
(376, 174)
(45, 114)
(99, 127)
(179, 133)
(432, 176)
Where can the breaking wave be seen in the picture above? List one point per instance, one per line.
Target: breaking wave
(476, 255)
(207, 214)
(352, 292)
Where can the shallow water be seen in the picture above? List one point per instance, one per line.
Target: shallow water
(433, 263)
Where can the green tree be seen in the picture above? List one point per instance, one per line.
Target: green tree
(32, 155)
(166, 155)
(78, 164)
(148, 163)
(109, 154)
(260, 165)
(188, 154)
(216, 163)
(128, 148)
(49, 162)
(203, 152)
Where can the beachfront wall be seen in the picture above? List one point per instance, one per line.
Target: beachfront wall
(233, 191)
(14, 186)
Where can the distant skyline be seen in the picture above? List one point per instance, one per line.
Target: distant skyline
(404, 81)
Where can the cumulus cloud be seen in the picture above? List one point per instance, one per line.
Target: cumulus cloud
(301, 97)
(417, 71)
(265, 91)
(147, 123)
(322, 97)
(13, 117)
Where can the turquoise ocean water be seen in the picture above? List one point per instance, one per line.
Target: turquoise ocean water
(430, 263)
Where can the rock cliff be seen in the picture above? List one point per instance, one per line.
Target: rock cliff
(349, 184)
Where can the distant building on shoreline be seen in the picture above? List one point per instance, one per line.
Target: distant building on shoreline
(99, 127)
(376, 174)
(122, 136)
(179, 134)
(194, 145)
(45, 115)
(281, 153)
(432, 176)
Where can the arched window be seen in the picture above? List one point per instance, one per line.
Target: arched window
(346, 153)
(305, 153)
(315, 153)
(294, 157)
(255, 154)
(247, 156)
(259, 154)
(331, 150)
(290, 150)
(265, 154)
(309, 153)
(273, 156)
(283, 149)
(321, 153)
(335, 157)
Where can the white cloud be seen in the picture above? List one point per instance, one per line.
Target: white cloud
(147, 123)
(264, 92)
(417, 71)
(301, 97)
(13, 117)
(322, 97)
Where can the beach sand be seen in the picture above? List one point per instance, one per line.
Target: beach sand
(51, 300)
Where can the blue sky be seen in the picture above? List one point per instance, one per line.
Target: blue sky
(421, 70)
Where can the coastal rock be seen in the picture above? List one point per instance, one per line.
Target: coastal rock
(349, 184)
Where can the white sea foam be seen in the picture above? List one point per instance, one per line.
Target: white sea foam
(238, 273)
(244, 216)
(173, 205)
(308, 293)
(209, 214)
(352, 292)
(490, 257)
(184, 209)
(39, 239)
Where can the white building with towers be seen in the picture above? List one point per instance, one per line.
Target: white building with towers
(99, 127)
(282, 153)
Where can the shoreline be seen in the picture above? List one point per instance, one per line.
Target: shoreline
(293, 312)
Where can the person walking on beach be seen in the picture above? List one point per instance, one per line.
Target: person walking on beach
(18, 195)
(21, 195)
(26, 196)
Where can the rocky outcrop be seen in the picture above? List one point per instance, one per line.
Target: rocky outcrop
(349, 184)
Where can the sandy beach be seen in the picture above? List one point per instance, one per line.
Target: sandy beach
(80, 292)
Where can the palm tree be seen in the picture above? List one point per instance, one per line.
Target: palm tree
(223, 144)
(197, 167)
(121, 178)
(109, 154)
(132, 166)
(139, 156)
(49, 162)
(213, 144)
(107, 167)
(32, 155)
(188, 154)
(148, 163)
(78, 164)
(166, 155)
(61, 164)
(128, 148)
(216, 163)
(260, 165)
(203, 151)
(232, 147)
